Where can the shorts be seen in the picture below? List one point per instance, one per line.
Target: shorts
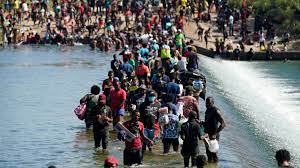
(120, 112)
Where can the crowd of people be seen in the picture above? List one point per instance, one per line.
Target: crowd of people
(161, 93)
(157, 82)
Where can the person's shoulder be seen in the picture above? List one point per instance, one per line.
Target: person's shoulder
(140, 124)
(123, 91)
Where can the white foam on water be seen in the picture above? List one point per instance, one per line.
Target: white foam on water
(271, 104)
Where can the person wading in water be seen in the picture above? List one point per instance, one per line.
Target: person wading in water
(133, 149)
(212, 127)
(117, 102)
(190, 133)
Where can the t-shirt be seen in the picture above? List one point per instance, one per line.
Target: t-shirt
(181, 65)
(165, 78)
(135, 128)
(231, 19)
(193, 61)
(142, 70)
(179, 39)
(100, 125)
(165, 52)
(144, 52)
(128, 68)
(190, 104)
(191, 132)
(170, 129)
(155, 47)
(172, 88)
(116, 96)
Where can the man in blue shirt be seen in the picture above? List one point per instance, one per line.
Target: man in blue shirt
(127, 68)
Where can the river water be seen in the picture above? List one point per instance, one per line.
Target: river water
(41, 86)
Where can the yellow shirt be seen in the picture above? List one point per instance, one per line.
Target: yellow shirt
(16, 4)
(183, 3)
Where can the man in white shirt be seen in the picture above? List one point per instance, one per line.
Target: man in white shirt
(231, 19)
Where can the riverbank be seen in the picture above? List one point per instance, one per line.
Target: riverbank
(293, 52)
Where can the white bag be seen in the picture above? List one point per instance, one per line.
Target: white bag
(164, 119)
(179, 108)
(213, 146)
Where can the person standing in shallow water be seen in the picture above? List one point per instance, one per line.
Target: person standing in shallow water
(91, 101)
(101, 119)
(133, 149)
(190, 134)
(117, 102)
(214, 123)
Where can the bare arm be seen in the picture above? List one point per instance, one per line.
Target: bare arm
(221, 120)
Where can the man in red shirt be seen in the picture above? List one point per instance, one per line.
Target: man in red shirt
(117, 102)
(133, 149)
(142, 71)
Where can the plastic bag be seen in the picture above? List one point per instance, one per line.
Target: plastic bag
(213, 146)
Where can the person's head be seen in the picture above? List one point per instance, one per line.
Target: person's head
(283, 157)
(144, 45)
(135, 115)
(201, 161)
(110, 74)
(156, 63)
(110, 162)
(95, 89)
(179, 57)
(152, 97)
(143, 89)
(115, 56)
(192, 115)
(209, 102)
(141, 62)
(116, 84)
(162, 71)
(135, 81)
(189, 91)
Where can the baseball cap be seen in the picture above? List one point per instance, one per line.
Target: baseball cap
(111, 161)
